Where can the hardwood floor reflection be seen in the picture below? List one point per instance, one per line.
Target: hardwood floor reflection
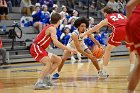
(74, 78)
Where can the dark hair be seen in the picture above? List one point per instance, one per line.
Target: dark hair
(108, 10)
(55, 17)
(81, 20)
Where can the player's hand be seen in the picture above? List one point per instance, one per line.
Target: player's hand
(90, 56)
(73, 50)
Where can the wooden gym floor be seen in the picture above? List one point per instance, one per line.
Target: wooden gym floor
(75, 78)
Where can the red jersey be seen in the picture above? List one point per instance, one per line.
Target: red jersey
(42, 39)
(116, 20)
(137, 9)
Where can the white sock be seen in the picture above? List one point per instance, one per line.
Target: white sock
(128, 91)
(132, 67)
(79, 56)
(57, 72)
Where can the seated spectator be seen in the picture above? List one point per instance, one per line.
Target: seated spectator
(65, 36)
(71, 24)
(70, 6)
(3, 10)
(49, 3)
(75, 14)
(26, 7)
(3, 53)
(64, 22)
(45, 16)
(113, 4)
(37, 17)
(55, 9)
(64, 13)
(9, 4)
(100, 4)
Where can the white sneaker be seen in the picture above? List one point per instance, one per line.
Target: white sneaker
(48, 80)
(41, 86)
(103, 74)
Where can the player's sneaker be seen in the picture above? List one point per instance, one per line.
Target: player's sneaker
(73, 59)
(55, 76)
(103, 74)
(41, 86)
(48, 80)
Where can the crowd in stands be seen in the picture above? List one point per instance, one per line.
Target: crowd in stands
(37, 13)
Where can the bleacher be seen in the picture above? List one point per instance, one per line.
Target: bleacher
(20, 53)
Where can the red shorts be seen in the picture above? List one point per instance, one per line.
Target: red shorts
(133, 32)
(38, 52)
(117, 36)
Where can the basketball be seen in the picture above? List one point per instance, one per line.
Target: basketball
(98, 52)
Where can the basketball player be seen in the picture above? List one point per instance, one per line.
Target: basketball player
(76, 43)
(117, 22)
(133, 34)
(49, 60)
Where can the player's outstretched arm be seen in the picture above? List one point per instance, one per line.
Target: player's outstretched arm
(77, 44)
(55, 41)
(96, 28)
(94, 40)
(130, 6)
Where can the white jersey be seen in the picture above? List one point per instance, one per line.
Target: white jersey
(81, 41)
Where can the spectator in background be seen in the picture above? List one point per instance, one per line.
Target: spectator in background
(33, 2)
(45, 15)
(55, 9)
(64, 22)
(26, 7)
(3, 10)
(16, 3)
(113, 4)
(37, 17)
(75, 14)
(70, 6)
(64, 38)
(71, 24)
(64, 13)
(122, 4)
(49, 3)
(9, 4)
(2, 53)
(100, 4)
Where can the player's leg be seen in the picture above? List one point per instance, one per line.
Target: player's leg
(94, 60)
(66, 54)
(107, 54)
(56, 61)
(45, 71)
(134, 78)
(132, 58)
(72, 58)
(101, 72)
(79, 56)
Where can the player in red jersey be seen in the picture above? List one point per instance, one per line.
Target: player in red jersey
(117, 22)
(133, 35)
(49, 60)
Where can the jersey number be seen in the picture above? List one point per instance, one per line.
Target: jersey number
(117, 17)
